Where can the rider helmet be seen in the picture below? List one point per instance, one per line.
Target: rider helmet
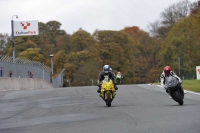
(167, 70)
(106, 68)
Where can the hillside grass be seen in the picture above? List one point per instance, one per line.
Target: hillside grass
(190, 85)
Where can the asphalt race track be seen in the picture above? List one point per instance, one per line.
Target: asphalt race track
(139, 108)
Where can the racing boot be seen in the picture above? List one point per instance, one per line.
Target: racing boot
(167, 90)
(99, 90)
(116, 88)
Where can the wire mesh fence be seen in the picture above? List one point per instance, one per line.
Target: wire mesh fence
(23, 68)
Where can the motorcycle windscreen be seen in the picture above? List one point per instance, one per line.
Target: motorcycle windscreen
(171, 82)
(106, 78)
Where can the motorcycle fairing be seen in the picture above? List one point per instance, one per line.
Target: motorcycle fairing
(107, 87)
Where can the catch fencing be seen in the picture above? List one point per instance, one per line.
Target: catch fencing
(23, 68)
(58, 81)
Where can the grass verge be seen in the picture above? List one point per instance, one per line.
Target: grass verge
(190, 85)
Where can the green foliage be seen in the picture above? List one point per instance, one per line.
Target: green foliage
(139, 56)
(170, 15)
(59, 59)
(32, 54)
(23, 43)
(183, 41)
(64, 43)
(81, 40)
(191, 85)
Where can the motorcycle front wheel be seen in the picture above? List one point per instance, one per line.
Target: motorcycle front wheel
(108, 100)
(118, 81)
(179, 97)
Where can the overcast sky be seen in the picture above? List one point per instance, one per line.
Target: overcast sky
(86, 14)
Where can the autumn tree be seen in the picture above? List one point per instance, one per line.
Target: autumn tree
(54, 30)
(145, 52)
(168, 18)
(31, 54)
(195, 7)
(59, 61)
(183, 41)
(64, 43)
(117, 49)
(81, 40)
(22, 43)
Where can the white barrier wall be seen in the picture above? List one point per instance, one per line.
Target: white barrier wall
(198, 72)
(23, 84)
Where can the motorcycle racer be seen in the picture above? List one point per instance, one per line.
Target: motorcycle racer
(106, 71)
(119, 77)
(165, 74)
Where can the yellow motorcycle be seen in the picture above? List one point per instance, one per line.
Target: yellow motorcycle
(108, 91)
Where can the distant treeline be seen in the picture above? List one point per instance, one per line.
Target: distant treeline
(139, 55)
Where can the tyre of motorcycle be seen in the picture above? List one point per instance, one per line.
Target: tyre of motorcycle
(108, 99)
(176, 96)
(118, 81)
(180, 98)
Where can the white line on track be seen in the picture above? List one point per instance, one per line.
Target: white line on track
(186, 91)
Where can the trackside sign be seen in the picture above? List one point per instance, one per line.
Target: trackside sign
(25, 28)
(198, 72)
